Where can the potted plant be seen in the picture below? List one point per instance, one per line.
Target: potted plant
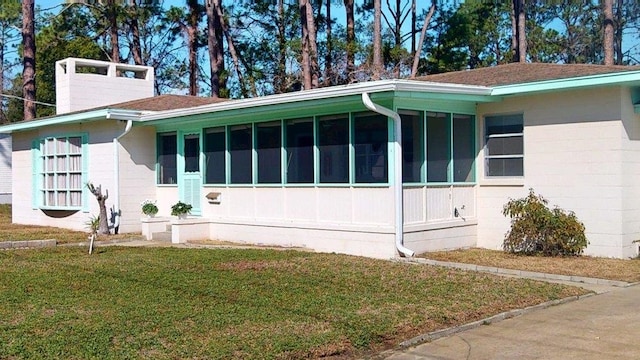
(149, 208)
(180, 209)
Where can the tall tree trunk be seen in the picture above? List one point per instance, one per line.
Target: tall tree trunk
(281, 77)
(112, 14)
(618, 32)
(413, 26)
(192, 35)
(377, 40)
(518, 28)
(397, 35)
(328, 59)
(309, 46)
(216, 57)
(351, 39)
(306, 66)
(232, 49)
(136, 48)
(522, 34)
(313, 46)
(607, 11)
(3, 117)
(425, 25)
(29, 59)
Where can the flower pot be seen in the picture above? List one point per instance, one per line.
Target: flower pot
(182, 216)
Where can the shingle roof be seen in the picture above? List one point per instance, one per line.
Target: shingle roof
(521, 73)
(166, 102)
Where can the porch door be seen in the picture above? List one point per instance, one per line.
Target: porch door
(190, 172)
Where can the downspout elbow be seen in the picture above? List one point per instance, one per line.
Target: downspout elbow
(398, 191)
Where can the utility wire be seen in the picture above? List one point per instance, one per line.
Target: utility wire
(21, 98)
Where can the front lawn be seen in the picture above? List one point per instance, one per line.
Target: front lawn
(602, 268)
(18, 232)
(171, 303)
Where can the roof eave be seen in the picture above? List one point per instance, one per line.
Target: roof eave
(324, 93)
(64, 119)
(627, 77)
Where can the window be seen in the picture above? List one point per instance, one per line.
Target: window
(61, 176)
(299, 150)
(240, 154)
(438, 147)
(333, 146)
(215, 155)
(504, 150)
(268, 145)
(192, 153)
(412, 146)
(463, 148)
(167, 158)
(370, 142)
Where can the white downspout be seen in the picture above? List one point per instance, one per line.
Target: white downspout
(116, 171)
(397, 179)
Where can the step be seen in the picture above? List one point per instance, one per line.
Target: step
(164, 236)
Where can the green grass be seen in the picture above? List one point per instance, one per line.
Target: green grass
(18, 232)
(168, 303)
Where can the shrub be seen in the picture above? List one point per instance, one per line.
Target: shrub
(536, 229)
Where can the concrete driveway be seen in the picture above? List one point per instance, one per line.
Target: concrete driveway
(605, 326)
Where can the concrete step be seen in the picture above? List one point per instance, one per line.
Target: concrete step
(164, 236)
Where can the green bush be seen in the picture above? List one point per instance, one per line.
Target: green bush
(536, 229)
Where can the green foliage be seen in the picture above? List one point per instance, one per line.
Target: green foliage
(170, 303)
(180, 208)
(93, 224)
(149, 207)
(536, 229)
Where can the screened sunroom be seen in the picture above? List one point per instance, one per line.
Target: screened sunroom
(327, 177)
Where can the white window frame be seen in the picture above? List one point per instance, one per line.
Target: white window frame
(60, 172)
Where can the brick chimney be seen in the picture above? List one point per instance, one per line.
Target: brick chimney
(84, 84)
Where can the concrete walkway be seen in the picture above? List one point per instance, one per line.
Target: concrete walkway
(606, 326)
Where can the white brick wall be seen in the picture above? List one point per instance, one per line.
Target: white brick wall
(78, 91)
(572, 156)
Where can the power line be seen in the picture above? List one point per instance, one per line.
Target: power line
(21, 98)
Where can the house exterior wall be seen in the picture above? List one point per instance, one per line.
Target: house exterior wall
(100, 171)
(137, 158)
(5, 169)
(630, 176)
(353, 220)
(439, 217)
(572, 156)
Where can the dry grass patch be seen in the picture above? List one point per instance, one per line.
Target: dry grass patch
(18, 232)
(602, 268)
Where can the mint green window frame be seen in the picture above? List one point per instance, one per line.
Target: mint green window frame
(348, 175)
(60, 172)
(457, 151)
(165, 173)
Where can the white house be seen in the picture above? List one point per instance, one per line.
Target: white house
(383, 168)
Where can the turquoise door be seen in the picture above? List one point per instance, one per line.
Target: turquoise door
(190, 175)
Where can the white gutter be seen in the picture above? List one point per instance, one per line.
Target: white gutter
(397, 173)
(116, 171)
